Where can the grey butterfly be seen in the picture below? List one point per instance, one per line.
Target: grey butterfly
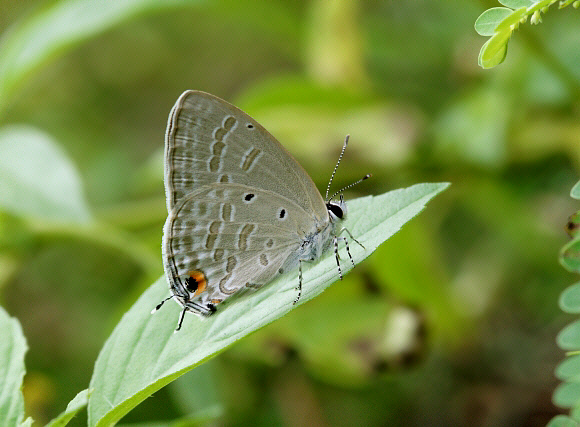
(241, 210)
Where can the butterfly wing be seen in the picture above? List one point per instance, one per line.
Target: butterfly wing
(233, 237)
(211, 141)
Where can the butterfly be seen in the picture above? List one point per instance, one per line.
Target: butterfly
(241, 209)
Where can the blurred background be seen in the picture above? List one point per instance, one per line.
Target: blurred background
(450, 322)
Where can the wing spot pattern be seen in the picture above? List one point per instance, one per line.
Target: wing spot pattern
(250, 159)
(217, 148)
(244, 236)
(232, 261)
(214, 229)
(227, 211)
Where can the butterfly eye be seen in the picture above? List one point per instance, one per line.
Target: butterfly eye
(335, 210)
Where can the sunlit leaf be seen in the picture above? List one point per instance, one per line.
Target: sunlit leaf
(487, 22)
(495, 50)
(511, 22)
(516, 4)
(143, 354)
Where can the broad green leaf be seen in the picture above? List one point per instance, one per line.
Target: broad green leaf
(74, 406)
(55, 29)
(37, 179)
(12, 349)
(567, 395)
(569, 337)
(570, 256)
(569, 369)
(570, 299)
(575, 192)
(487, 22)
(143, 354)
(494, 50)
(562, 421)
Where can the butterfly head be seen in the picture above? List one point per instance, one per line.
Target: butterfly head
(336, 210)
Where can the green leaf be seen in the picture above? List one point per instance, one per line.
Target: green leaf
(512, 21)
(37, 179)
(575, 192)
(569, 337)
(573, 225)
(569, 369)
(567, 395)
(494, 50)
(562, 421)
(487, 22)
(516, 4)
(55, 29)
(143, 354)
(570, 256)
(12, 349)
(74, 406)
(570, 299)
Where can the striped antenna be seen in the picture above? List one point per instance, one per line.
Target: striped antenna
(367, 176)
(335, 168)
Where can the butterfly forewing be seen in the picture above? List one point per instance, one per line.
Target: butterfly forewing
(211, 141)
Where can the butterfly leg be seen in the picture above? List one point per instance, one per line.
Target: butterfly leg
(352, 237)
(299, 287)
(180, 321)
(348, 250)
(335, 239)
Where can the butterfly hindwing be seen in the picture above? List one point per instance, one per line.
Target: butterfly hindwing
(236, 236)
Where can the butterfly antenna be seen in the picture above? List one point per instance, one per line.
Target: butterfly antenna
(367, 176)
(336, 167)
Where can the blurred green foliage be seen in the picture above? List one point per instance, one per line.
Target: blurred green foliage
(464, 297)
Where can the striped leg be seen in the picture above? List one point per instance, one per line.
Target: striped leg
(335, 239)
(299, 287)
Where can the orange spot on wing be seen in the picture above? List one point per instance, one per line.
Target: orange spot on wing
(200, 279)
